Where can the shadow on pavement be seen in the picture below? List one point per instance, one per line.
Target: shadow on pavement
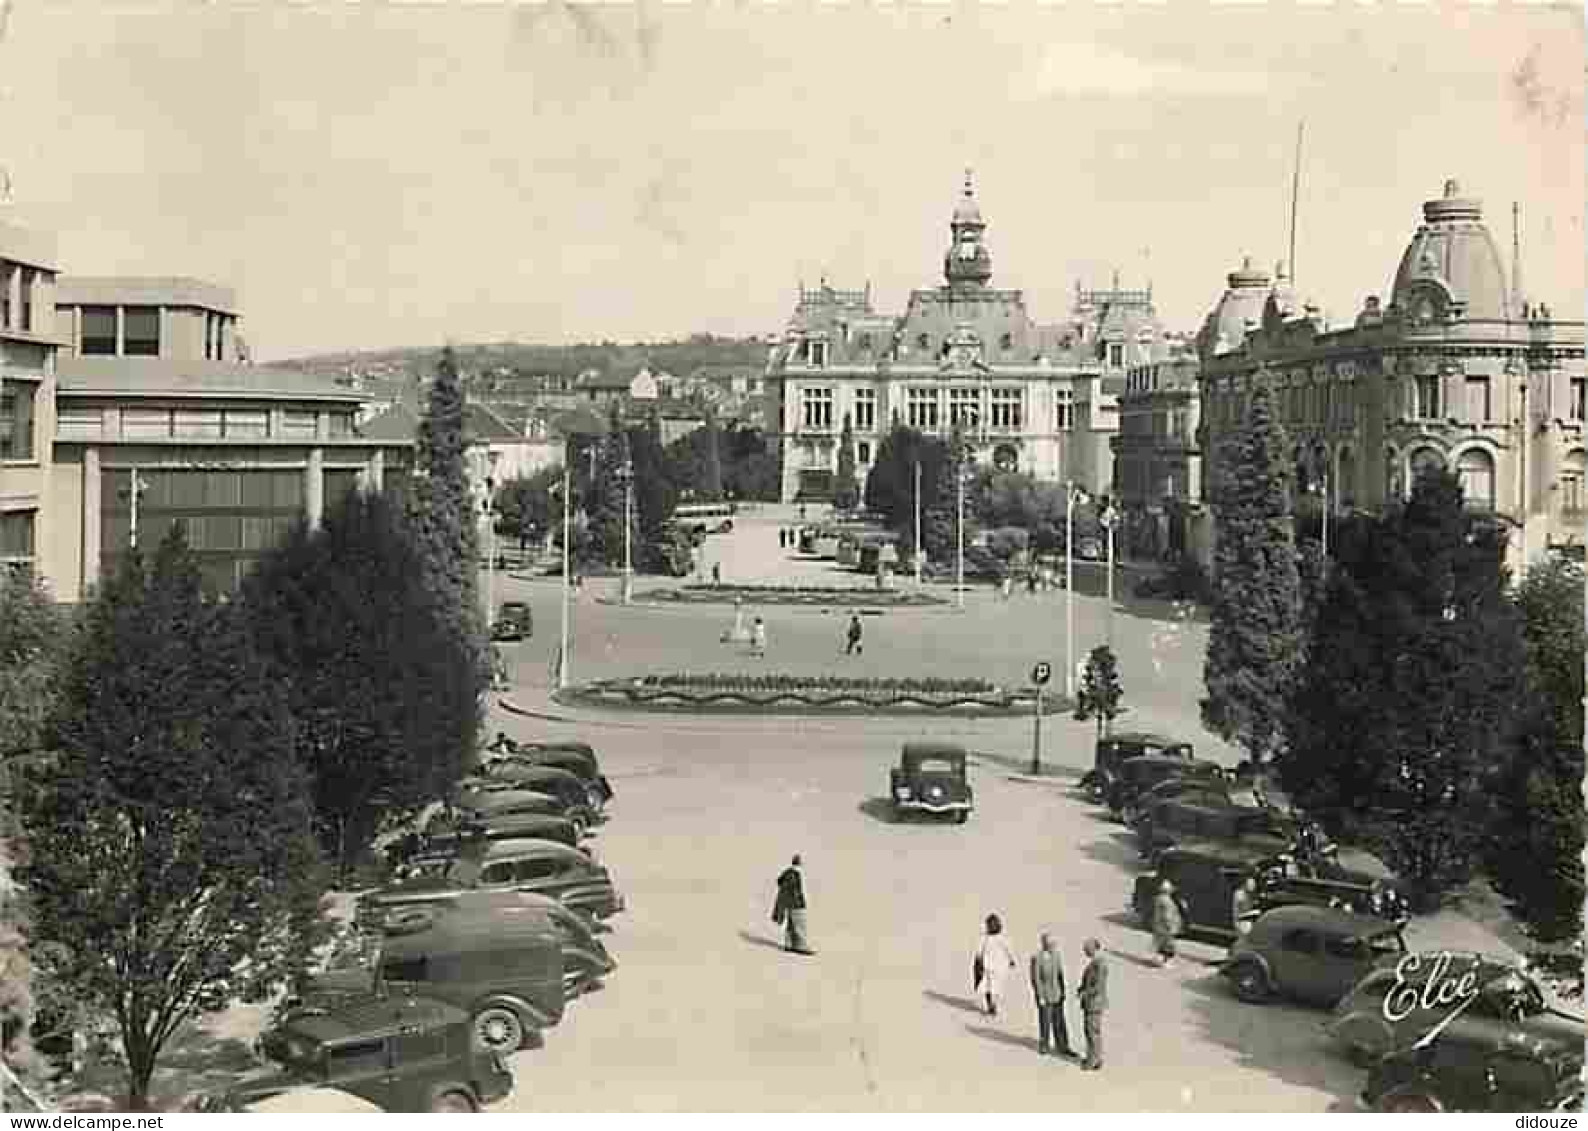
(760, 940)
(969, 1005)
(879, 809)
(1145, 962)
(1022, 765)
(1115, 848)
(987, 1032)
(1284, 1040)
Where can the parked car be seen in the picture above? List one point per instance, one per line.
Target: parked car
(1310, 954)
(931, 778)
(514, 621)
(448, 838)
(1115, 749)
(556, 870)
(500, 961)
(1507, 1007)
(578, 758)
(1135, 776)
(1205, 876)
(1199, 790)
(1209, 817)
(565, 786)
(515, 799)
(402, 1054)
(1469, 1072)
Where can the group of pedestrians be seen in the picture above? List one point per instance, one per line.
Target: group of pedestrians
(788, 538)
(1037, 581)
(995, 962)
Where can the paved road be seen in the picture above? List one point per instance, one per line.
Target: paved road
(705, 1013)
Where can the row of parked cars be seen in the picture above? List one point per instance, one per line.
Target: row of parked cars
(490, 924)
(1325, 926)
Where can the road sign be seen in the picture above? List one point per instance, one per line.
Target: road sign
(1041, 673)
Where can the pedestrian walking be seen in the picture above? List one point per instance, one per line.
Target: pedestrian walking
(758, 637)
(1031, 583)
(1094, 1001)
(853, 644)
(990, 969)
(782, 537)
(1243, 905)
(1167, 922)
(716, 574)
(1006, 587)
(788, 909)
(1047, 985)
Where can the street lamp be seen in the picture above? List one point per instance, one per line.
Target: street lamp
(1324, 491)
(1073, 496)
(135, 490)
(566, 489)
(625, 476)
(1110, 518)
(918, 553)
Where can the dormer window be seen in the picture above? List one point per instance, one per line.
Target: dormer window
(818, 354)
(1116, 354)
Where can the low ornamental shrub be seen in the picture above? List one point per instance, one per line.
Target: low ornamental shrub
(930, 685)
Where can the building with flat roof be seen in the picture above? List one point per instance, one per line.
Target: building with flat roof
(27, 392)
(158, 419)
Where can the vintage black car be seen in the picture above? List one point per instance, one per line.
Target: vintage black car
(1135, 776)
(931, 778)
(1201, 790)
(1464, 1072)
(571, 791)
(447, 837)
(402, 1054)
(1310, 954)
(1115, 749)
(514, 621)
(496, 799)
(578, 758)
(1205, 877)
(555, 870)
(1388, 1010)
(1209, 817)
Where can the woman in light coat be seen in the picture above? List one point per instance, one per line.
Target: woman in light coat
(994, 961)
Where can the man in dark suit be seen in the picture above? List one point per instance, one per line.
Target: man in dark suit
(1047, 984)
(1094, 1000)
(789, 909)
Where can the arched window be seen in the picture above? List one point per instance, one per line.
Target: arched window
(1424, 461)
(1573, 470)
(1475, 467)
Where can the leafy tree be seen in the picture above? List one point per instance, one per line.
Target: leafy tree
(376, 674)
(526, 504)
(32, 652)
(1254, 640)
(171, 860)
(941, 518)
(890, 486)
(1535, 854)
(443, 509)
(846, 489)
(711, 465)
(655, 495)
(1100, 692)
(751, 469)
(1407, 698)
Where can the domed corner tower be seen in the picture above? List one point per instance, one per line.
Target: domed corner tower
(1239, 307)
(968, 264)
(1452, 269)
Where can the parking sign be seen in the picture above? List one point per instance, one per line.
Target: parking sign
(1042, 673)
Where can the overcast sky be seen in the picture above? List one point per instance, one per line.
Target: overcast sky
(370, 175)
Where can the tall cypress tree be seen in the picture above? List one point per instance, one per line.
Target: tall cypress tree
(1254, 640)
(711, 471)
(940, 502)
(443, 505)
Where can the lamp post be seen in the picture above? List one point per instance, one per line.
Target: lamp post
(625, 476)
(490, 539)
(918, 551)
(567, 568)
(1110, 518)
(961, 473)
(1072, 496)
(135, 489)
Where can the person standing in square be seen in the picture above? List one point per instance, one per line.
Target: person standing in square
(853, 643)
(1094, 1001)
(789, 909)
(1047, 985)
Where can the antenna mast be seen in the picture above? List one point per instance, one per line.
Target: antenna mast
(1295, 196)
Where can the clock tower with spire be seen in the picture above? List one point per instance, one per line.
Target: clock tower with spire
(968, 265)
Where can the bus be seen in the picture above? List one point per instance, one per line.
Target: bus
(708, 518)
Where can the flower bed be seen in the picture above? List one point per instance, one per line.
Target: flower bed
(797, 693)
(853, 595)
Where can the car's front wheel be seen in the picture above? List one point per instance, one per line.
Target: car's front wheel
(1251, 984)
(497, 1029)
(453, 1103)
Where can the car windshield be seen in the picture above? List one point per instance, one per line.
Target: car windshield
(936, 766)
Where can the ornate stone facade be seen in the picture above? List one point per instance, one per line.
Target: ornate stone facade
(1038, 398)
(1458, 369)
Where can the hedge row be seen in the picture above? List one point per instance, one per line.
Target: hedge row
(929, 685)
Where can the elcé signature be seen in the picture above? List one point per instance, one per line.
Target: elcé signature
(1438, 990)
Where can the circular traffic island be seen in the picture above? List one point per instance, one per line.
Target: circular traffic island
(805, 694)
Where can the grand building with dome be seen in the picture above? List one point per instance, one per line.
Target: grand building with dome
(1029, 397)
(1459, 369)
